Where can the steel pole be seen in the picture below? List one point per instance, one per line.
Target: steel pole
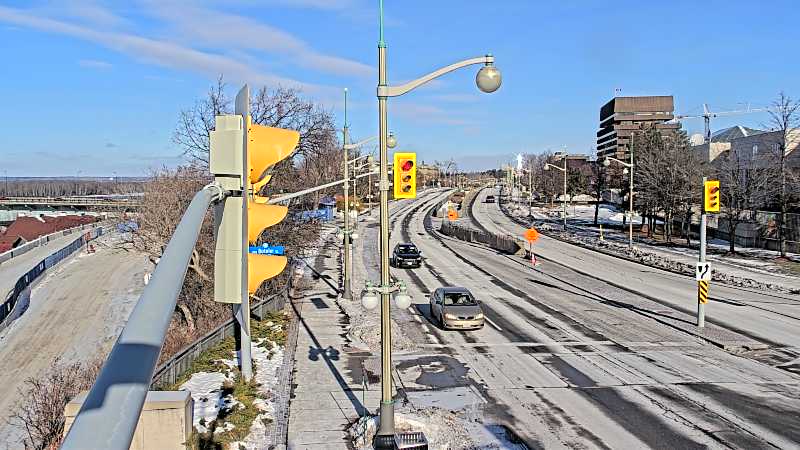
(564, 203)
(387, 402)
(630, 196)
(346, 294)
(110, 413)
(701, 308)
(530, 193)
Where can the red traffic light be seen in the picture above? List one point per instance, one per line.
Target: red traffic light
(407, 165)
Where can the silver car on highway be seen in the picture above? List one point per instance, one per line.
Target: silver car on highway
(456, 308)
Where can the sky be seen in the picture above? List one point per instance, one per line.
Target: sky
(95, 88)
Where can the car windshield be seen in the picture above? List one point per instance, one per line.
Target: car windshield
(406, 249)
(458, 299)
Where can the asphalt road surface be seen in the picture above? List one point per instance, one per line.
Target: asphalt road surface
(588, 352)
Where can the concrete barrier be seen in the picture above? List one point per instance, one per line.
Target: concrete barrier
(165, 423)
(503, 243)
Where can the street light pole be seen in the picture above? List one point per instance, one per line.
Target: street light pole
(347, 293)
(488, 80)
(629, 169)
(564, 199)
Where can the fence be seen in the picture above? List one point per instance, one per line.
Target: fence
(168, 372)
(503, 243)
(17, 302)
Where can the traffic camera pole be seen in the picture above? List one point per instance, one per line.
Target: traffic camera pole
(701, 307)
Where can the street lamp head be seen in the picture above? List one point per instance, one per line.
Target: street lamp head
(606, 162)
(547, 167)
(488, 78)
(370, 159)
(369, 300)
(625, 171)
(391, 141)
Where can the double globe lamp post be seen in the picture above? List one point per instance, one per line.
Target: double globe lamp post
(488, 80)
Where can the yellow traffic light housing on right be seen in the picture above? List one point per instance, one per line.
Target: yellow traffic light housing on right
(405, 175)
(711, 196)
(265, 147)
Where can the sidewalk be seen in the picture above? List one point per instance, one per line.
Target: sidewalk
(327, 395)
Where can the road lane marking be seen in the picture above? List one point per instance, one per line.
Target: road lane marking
(492, 323)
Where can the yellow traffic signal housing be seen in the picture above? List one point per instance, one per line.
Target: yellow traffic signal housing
(265, 147)
(711, 196)
(405, 175)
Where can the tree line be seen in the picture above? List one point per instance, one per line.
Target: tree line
(668, 175)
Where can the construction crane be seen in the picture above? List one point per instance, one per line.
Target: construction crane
(707, 115)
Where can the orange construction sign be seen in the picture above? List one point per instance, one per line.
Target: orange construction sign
(531, 235)
(452, 214)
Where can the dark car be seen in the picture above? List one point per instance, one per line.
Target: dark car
(456, 308)
(406, 255)
(490, 199)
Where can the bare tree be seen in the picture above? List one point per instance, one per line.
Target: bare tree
(40, 412)
(666, 175)
(785, 119)
(281, 107)
(743, 187)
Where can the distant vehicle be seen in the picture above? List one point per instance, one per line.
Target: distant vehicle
(490, 199)
(406, 255)
(456, 308)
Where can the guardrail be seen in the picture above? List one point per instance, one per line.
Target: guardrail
(16, 304)
(68, 201)
(38, 242)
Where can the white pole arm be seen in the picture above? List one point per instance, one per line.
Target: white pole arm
(360, 143)
(283, 198)
(395, 91)
(621, 162)
(555, 167)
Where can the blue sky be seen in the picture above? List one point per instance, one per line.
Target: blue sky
(97, 87)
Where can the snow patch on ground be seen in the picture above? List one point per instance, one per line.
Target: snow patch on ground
(267, 359)
(443, 429)
(206, 391)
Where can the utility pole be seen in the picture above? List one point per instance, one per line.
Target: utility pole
(630, 197)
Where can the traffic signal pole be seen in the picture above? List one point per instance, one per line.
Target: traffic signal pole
(701, 307)
(241, 311)
(387, 402)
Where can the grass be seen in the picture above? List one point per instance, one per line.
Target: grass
(272, 328)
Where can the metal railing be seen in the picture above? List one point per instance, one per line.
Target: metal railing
(89, 201)
(41, 240)
(171, 370)
(110, 413)
(11, 307)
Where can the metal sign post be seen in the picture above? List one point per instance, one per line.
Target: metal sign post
(710, 203)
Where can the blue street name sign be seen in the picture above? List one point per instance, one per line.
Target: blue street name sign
(267, 250)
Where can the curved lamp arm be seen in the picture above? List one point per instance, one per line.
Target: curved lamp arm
(360, 143)
(556, 167)
(621, 162)
(395, 91)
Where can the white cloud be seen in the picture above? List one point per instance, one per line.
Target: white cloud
(94, 64)
(210, 27)
(162, 53)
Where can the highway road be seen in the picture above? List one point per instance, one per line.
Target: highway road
(567, 360)
(772, 319)
(76, 314)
